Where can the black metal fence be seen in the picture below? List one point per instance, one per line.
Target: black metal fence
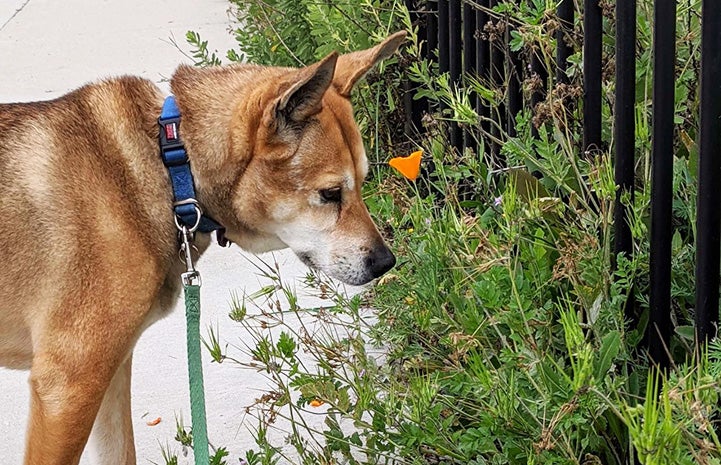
(456, 33)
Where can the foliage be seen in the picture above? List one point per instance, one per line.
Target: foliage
(504, 335)
(297, 33)
(201, 54)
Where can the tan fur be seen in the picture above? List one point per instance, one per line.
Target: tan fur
(87, 233)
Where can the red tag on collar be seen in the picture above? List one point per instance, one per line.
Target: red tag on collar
(171, 131)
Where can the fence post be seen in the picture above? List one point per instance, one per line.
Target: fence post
(538, 95)
(514, 76)
(454, 62)
(497, 79)
(592, 41)
(483, 60)
(624, 136)
(563, 48)
(443, 36)
(469, 58)
(709, 172)
(454, 42)
(431, 27)
(469, 32)
(415, 108)
(625, 127)
(664, 47)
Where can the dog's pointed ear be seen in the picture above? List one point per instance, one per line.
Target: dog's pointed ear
(302, 96)
(353, 66)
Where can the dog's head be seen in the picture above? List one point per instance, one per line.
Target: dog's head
(301, 186)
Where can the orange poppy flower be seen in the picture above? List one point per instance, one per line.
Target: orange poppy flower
(408, 166)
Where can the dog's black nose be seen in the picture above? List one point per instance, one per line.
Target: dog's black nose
(380, 260)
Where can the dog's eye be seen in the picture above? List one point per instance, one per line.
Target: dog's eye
(330, 195)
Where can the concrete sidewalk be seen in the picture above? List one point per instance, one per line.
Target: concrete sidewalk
(48, 48)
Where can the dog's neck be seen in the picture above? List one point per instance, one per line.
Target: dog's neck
(221, 110)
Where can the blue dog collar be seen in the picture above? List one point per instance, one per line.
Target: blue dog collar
(172, 150)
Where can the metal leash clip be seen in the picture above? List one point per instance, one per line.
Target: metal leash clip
(191, 277)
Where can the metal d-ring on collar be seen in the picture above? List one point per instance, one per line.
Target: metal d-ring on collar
(198, 215)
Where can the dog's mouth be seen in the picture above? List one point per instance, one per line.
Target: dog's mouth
(354, 272)
(306, 259)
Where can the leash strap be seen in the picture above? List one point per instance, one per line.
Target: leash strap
(195, 375)
(175, 159)
(188, 219)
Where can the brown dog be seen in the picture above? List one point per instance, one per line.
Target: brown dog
(88, 239)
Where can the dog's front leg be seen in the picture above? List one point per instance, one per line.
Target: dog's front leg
(111, 440)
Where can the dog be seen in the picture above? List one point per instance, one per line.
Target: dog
(88, 233)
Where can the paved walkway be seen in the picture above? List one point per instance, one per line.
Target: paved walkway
(49, 47)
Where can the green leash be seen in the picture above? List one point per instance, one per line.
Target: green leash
(191, 287)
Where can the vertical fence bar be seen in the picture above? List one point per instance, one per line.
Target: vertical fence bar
(469, 30)
(443, 36)
(514, 73)
(497, 79)
(431, 27)
(592, 41)
(709, 172)
(564, 49)
(443, 46)
(625, 122)
(454, 62)
(469, 55)
(415, 108)
(563, 35)
(624, 130)
(664, 56)
(540, 74)
(483, 62)
(454, 42)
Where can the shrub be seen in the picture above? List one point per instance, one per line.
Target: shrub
(501, 337)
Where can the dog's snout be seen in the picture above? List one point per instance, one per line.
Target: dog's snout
(380, 260)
